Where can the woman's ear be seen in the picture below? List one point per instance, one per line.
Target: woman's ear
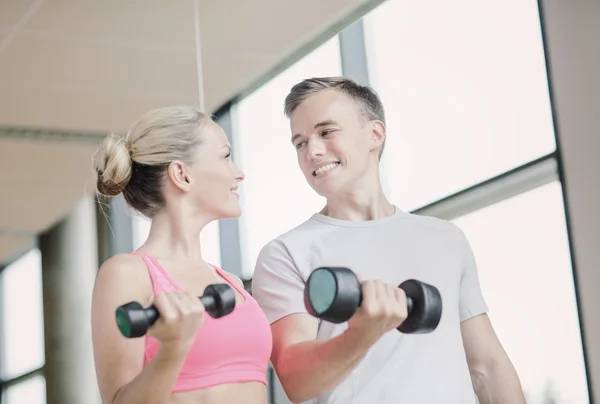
(179, 175)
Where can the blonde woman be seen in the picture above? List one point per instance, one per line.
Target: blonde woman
(174, 166)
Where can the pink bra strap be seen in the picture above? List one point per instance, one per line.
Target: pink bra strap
(161, 281)
(228, 278)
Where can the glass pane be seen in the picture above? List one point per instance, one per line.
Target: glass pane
(465, 91)
(31, 391)
(22, 316)
(209, 238)
(275, 196)
(522, 251)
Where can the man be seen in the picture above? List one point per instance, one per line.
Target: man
(338, 129)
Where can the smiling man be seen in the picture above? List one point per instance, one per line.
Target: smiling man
(338, 130)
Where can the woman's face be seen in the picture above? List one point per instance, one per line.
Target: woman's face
(216, 177)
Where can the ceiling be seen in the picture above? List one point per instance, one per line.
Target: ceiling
(71, 71)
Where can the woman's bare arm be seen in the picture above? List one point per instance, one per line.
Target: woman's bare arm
(119, 360)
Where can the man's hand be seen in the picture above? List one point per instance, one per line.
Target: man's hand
(383, 308)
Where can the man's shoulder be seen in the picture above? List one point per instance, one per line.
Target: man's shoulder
(437, 231)
(428, 224)
(298, 234)
(290, 250)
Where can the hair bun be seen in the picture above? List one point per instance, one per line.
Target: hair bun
(112, 164)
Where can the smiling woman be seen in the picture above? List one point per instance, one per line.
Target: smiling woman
(174, 166)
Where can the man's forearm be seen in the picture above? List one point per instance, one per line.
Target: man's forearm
(497, 383)
(311, 368)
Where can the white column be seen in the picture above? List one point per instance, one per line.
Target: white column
(69, 267)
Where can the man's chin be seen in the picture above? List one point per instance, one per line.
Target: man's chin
(325, 190)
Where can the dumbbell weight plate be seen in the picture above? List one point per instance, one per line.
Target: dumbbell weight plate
(425, 309)
(322, 291)
(218, 299)
(132, 319)
(332, 294)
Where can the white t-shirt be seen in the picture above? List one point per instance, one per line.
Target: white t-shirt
(399, 368)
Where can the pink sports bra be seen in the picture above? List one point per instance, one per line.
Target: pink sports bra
(230, 349)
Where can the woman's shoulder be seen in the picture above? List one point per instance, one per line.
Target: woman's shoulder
(122, 265)
(124, 271)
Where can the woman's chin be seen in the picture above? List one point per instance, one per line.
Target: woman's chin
(231, 212)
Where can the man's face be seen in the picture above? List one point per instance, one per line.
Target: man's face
(335, 144)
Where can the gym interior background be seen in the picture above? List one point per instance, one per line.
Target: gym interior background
(493, 112)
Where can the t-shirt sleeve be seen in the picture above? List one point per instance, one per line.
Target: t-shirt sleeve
(277, 284)
(471, 300)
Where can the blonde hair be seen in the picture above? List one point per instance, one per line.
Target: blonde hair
(137, 163)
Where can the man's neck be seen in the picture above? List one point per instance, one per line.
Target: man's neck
(359, 207)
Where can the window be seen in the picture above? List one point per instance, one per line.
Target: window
(26, 392)
(209, 238)
(522, 251)
(465, 91)
(275, 196)
(22, 316)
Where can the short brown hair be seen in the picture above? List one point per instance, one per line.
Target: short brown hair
(370, 105)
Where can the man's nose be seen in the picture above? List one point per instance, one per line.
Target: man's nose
(316, 148)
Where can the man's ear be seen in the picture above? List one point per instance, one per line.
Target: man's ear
(179, 175)
(378, 133)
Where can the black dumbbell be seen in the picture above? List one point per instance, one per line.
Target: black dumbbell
(134, 320)
(334, 294)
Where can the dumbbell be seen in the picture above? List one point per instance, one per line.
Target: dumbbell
(134, 320)
(334, 294)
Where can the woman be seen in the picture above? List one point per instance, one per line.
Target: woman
(174, 166)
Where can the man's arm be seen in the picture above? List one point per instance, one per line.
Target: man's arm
(307, 367)
(494, 378)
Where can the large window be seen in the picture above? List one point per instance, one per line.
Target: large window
(22, 339)
(275, 196)
(209, 238)
(522, 251)
(465, 91)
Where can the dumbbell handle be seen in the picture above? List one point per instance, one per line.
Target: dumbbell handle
(409, 303)
(152, 313)
(415, 321)
(133, 320)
